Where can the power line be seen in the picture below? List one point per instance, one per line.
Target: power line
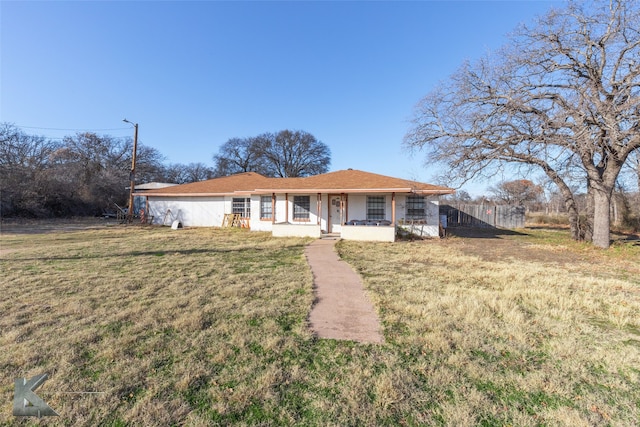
(69, 129)
(61, 138)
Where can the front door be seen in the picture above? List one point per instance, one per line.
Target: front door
(335, 214)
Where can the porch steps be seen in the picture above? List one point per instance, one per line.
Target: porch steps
(330, 236)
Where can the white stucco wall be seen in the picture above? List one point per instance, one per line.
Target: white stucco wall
(210, 211)
(369, 233)
(422, 230)
(256, 223)
(432, 208)
(357, 209)
(430, 227)
(190, 211)
(296, 230)
(283, 214)
(280, 208)
(313, 210)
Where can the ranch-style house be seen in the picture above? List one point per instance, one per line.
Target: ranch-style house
(351, 204)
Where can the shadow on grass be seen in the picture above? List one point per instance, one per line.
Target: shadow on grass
(630, 239)
(626, 238)
(482, 233)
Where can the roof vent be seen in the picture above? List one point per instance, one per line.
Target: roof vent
(350, 169)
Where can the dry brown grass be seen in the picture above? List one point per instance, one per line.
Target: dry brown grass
(513, 340)
(147, 316)
(205, 327)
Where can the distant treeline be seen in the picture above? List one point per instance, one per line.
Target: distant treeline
(84, 174)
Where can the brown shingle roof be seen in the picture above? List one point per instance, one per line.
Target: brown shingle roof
(242, 182)
(343, 181)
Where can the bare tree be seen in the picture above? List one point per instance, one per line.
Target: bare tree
(632, 170)
(283, 154)
(460, 196)
(25, 166)
(239, 155)
(562, 96)
(81, 175)
(195, 172)
(518, 192)
(295, 154)
(149, 162)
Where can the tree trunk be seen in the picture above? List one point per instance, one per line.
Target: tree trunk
(567, 195)
(601, 218)
(587, 225)
(574, 218)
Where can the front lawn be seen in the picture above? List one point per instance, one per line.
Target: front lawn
(206, 327)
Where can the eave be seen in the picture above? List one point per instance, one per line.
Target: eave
(299, 191)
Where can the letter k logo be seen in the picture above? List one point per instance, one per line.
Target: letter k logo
(28, 404)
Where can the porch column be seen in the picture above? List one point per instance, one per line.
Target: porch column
(286, 207)
(273, 208)
(342, 207)
(319, 208)
(346, 208)
(393, 208)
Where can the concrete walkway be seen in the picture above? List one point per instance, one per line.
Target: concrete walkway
(342, 310)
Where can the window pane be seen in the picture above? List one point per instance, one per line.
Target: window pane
(301, 207)
(375, 207)
(265, 207)
(241, 206)
(415, 207)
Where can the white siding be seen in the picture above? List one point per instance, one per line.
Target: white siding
(190, 211)
(256, 223)
(430, 227)
(210, 211)
(313, 209)
(357, 207)
(369, 233)
(432, 208)
(296, 230)
(280, 208)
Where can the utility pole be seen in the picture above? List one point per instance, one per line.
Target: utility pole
(132, 174)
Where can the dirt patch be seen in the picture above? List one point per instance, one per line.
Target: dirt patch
(496, 245)
(500, 245)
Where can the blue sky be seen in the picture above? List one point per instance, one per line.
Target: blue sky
(195, 74)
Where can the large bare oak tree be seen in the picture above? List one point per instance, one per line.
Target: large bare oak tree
(283, 154)
(562, 97)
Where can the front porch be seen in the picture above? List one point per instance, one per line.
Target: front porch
(365, 233)
(362, 216)
(369, 233)
(287, 229)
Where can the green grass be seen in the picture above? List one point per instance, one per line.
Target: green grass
(208, 327)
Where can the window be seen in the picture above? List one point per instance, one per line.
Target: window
(266, 210)
(301, 206)
(375, 207)
(415, 208)
(242, 206)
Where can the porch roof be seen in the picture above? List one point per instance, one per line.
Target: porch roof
(351, 181)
